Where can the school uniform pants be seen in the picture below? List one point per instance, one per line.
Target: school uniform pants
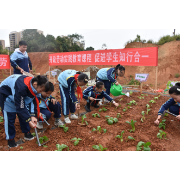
(107, 84)
(53, 108)
(174, 109)
(67, 104)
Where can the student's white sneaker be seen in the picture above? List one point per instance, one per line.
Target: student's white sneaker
(73, 116)
(39, 125)
(105, 100)
(100, 102)
(67, 120)
(58, 122)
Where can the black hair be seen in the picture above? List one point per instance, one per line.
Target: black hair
(49, 87)
(21, 43)
(83, 78)
(99, 84)
(41, 80)
(120, 67)
(175, 89)
(78, 72)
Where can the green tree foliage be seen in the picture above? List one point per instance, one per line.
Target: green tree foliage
(89, 48)
(3, 51)
(40, 43)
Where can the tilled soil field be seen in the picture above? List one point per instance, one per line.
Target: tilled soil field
(144, 131)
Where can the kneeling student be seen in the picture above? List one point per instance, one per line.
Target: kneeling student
(47, 105)
(96, 92)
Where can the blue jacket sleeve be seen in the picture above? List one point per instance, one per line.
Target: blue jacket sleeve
(33, 108)
(107, 96)
(166, 105)
(21, 109)
(86, 93)
(110, 73)
(72, 96)
(13, 59)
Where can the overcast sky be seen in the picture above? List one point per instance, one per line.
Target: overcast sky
(113, 38)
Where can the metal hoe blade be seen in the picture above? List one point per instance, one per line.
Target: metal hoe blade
(39, 144)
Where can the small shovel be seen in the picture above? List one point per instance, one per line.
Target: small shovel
(39, 144)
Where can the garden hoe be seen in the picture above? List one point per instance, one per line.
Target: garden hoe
(168, 113)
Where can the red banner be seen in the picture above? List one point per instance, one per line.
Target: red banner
(128, 56)
(4, 62)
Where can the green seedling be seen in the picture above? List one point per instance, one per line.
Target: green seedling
(107, 117)
(159, 96)
(162, 124)
(131, 138)
(86, 122)
(132, 125)
(118, 115)
(166, 115)
(76, 142)
(141, 97)
(156, 98)
(161, 134)
(133, 102)
(99, 148)
(146, 94)
(99, 128)
(129, 104)
(142, 94)
(125, 109)
(96, 115)
(104, 130)
(1, 119)
(117, 107)
(152, 101)
(104, 109)
(83, 117)
(143, 118)
(100, 110)
(147, 105)
(61, 147)
(111, 120)
(21, 147)
(45, 146)
(64, 127)
(0, 109)
(94, 129)
(130, 92)
(145, 146)
(128, 107)
(121, 99)
(120, 136)
(42, 139)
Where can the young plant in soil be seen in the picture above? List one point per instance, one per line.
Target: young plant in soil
(133, 102)
(111, 120)
(162, 124)
(1, 119)
(118, 115)
(117, 107)
(61, 147)
(143, 118)
(152, 101)
(99, 129)
(148, 106)
(130, 138)
(99, 148)
(42, 139)
(145, 146)
(76, 142)
(21, 147)
(120, 136)
(130, 92)
(166, 115)
(142, 94)
(64, 127)
(83, 117)
(121, 99)
(156, 98)
(125, 109)
(161, 134)
(141, 97)
(132, 125)
(104, 130)
(103, 109)
(96, 115)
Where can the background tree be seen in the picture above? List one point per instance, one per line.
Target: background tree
(89, 48)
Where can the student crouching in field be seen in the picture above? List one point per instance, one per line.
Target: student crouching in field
(109, 75)
(172, 104)
(18, 95)
(49, 104)
(68, 81)
(96, 92)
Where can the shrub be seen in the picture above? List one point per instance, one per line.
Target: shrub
(176, 75)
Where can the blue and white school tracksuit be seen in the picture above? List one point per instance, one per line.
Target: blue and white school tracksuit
(172, 105)
(67, 85)
(44, 103)
(91, 92)
(15, 98)
(107, 76)
(21, 60)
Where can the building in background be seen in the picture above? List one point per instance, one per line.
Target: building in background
(8, 48)
(15, 37)
(2, 43)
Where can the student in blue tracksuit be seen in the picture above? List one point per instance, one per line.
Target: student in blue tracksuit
(20, 60)
(109, 75)
(96, 92)
(68, 81)
(173, 104)
(48, 104)
(18, 95)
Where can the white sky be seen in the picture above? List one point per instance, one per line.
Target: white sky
(114, 38)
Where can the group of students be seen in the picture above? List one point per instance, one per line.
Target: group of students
(30, 97)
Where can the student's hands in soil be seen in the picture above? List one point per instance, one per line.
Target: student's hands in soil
(178, 117)
(54, 101)
(116, 104)
(157, 120)
(77, 106)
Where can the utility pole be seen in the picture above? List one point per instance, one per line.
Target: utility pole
(174, 32)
